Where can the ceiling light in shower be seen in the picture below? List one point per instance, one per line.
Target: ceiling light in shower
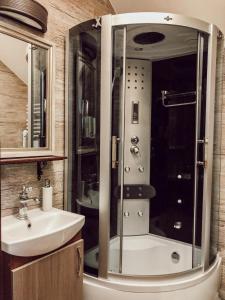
(28, 12)
(147, 38)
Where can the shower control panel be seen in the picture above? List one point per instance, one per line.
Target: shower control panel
(136, 191)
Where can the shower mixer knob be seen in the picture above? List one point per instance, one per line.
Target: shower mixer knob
(134, 140)
(134, 150)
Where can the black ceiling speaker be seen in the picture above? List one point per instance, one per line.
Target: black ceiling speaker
(147, 38)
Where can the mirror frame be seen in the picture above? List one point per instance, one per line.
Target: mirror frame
(50, 46)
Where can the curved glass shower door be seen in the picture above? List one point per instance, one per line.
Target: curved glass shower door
(158, 136)
(83, 134)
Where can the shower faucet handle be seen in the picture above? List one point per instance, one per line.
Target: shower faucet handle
(134, 140)
(134, 149)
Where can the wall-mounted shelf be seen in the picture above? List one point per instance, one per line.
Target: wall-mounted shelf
(27, 160)
(40, 160)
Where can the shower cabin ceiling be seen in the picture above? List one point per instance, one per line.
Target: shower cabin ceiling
(178, 41)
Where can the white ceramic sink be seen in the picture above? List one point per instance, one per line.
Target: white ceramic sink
(49, 230)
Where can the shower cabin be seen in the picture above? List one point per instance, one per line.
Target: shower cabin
(143, 166)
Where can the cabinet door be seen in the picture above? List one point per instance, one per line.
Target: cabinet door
(57, 276)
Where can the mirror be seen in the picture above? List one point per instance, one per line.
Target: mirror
(25, 95)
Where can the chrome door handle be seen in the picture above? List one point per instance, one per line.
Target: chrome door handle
(204, 143)
(202, 163)
(115, 141)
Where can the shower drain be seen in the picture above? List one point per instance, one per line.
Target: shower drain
(175, 257)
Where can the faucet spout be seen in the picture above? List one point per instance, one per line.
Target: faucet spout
(24, 200)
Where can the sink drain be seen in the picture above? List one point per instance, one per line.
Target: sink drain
(175, 257)
(29, 225)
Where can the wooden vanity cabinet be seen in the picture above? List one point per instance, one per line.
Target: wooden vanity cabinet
(55, 276)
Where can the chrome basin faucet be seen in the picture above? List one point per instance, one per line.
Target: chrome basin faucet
(24, 199)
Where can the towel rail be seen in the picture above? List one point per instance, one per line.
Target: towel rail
(166, 95)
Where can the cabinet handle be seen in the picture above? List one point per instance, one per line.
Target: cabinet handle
(79, 256)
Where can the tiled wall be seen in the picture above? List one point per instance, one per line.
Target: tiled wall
(63, 14)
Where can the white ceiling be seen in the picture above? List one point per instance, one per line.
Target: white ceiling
(212, 11)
